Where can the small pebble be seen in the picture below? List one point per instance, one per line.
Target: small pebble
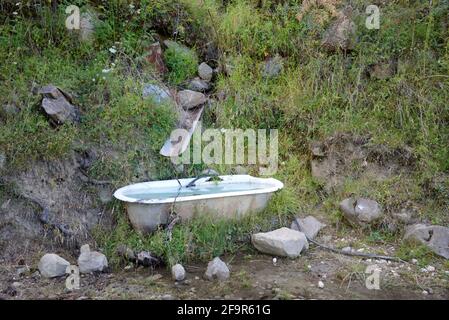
(320, 284)
(275, 261)
(430, 268)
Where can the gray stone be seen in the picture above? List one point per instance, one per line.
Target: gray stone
(283, 242)
(51, 265)
(91, 261)
(273, 67)
(310, 226)
(217, 269)
(205, 71)
(361, 211)
(146, 259)
(60, 110)
(189, 99)
(178, 272)
(199, 85)
(347, 249)
(340, 35)
(436, 238)
(2, 161)
(158, 93)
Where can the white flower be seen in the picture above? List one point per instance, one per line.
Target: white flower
(18, 3)
(131, 6)
(93, 79)
(106, 70)
(112, 50)
(15, 13)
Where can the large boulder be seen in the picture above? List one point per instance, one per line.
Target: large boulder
(91, 261)
(51, 265)
(310, 226)
(217, 269)
(189, 99)
(361, 211)
(283, 242)
(436, 238)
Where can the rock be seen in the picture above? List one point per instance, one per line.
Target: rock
(310, 226)
(436, 238)
(126, 252)
(217, 269)
(154, 57)
(340, 35)
(91, 261)
(178, 272)
(320, 284)
(383, 70)
(361, 211)
(347, 250)
(199, 85)
(273, 67)
(167, 297)
(51, 265)
(158, 93)
(57, 104)
(60, 110)
(282, 242)
(2, 161)
(205, 71)
(189, 99)
(146, 259)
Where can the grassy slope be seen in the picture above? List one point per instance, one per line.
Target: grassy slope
(317, 95)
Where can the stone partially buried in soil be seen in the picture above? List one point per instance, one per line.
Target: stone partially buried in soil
(436, 238)
(361, 211)
(217, 269)
(283, 242)
(91, 261)
(178, 272)
(310, 226)
(51, 265)
(189, 99)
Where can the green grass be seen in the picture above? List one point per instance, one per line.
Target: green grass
(181, 62)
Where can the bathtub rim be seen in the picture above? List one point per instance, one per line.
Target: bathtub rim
(272, 184)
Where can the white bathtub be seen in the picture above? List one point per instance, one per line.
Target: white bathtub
(149, 204)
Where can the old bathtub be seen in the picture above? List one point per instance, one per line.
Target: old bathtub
(149, 204)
